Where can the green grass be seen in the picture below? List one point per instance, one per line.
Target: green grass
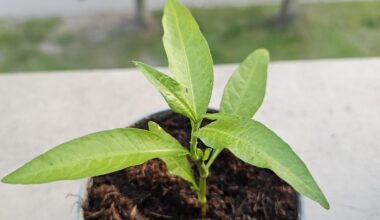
(319, 31)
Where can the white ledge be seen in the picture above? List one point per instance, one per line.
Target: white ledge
(328, 110)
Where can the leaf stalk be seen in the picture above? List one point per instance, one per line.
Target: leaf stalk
(214, 155)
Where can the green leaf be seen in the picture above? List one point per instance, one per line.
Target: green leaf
(95, 154)
(188, 55)
(177, 165)
(245, 90)
(173, 92)
(257, 145)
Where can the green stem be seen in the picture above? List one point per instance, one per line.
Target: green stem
(202, 195)
(193, 140)
(202, 169)
(202, 186)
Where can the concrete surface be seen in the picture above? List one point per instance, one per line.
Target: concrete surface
(328, 110)
(22, 8)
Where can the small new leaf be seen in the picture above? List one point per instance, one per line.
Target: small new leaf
(173, 92)
(206, 154)
(245, 90)
(188, 55)
(95, 154)
(255, 144)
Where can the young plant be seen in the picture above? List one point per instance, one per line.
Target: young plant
(188, 93)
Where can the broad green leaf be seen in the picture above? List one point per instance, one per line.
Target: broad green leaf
(245, 90)
(188, 55)
(257, 145)
(95, 154)
(177, 165)
(173, 92)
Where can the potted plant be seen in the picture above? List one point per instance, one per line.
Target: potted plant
(186, 163)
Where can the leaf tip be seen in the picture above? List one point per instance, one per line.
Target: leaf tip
(153, 125)
(263, 52)
(4, 179)
(9, 179)
(136, 63)
(321, 200)
(171, 1)
(325, 204)
(174, 5)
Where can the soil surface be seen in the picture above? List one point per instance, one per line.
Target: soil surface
(235, 190)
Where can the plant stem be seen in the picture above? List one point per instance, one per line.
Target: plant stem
(193, 140)
(202, 169)
(202, 195)
(202, 186)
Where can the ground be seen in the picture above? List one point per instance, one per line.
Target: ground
(110, 41)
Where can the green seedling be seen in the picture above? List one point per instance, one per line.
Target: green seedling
(187, 91)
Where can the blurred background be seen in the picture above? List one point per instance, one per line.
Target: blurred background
(40, 35)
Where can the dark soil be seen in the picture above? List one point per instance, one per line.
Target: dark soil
(236, 190)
